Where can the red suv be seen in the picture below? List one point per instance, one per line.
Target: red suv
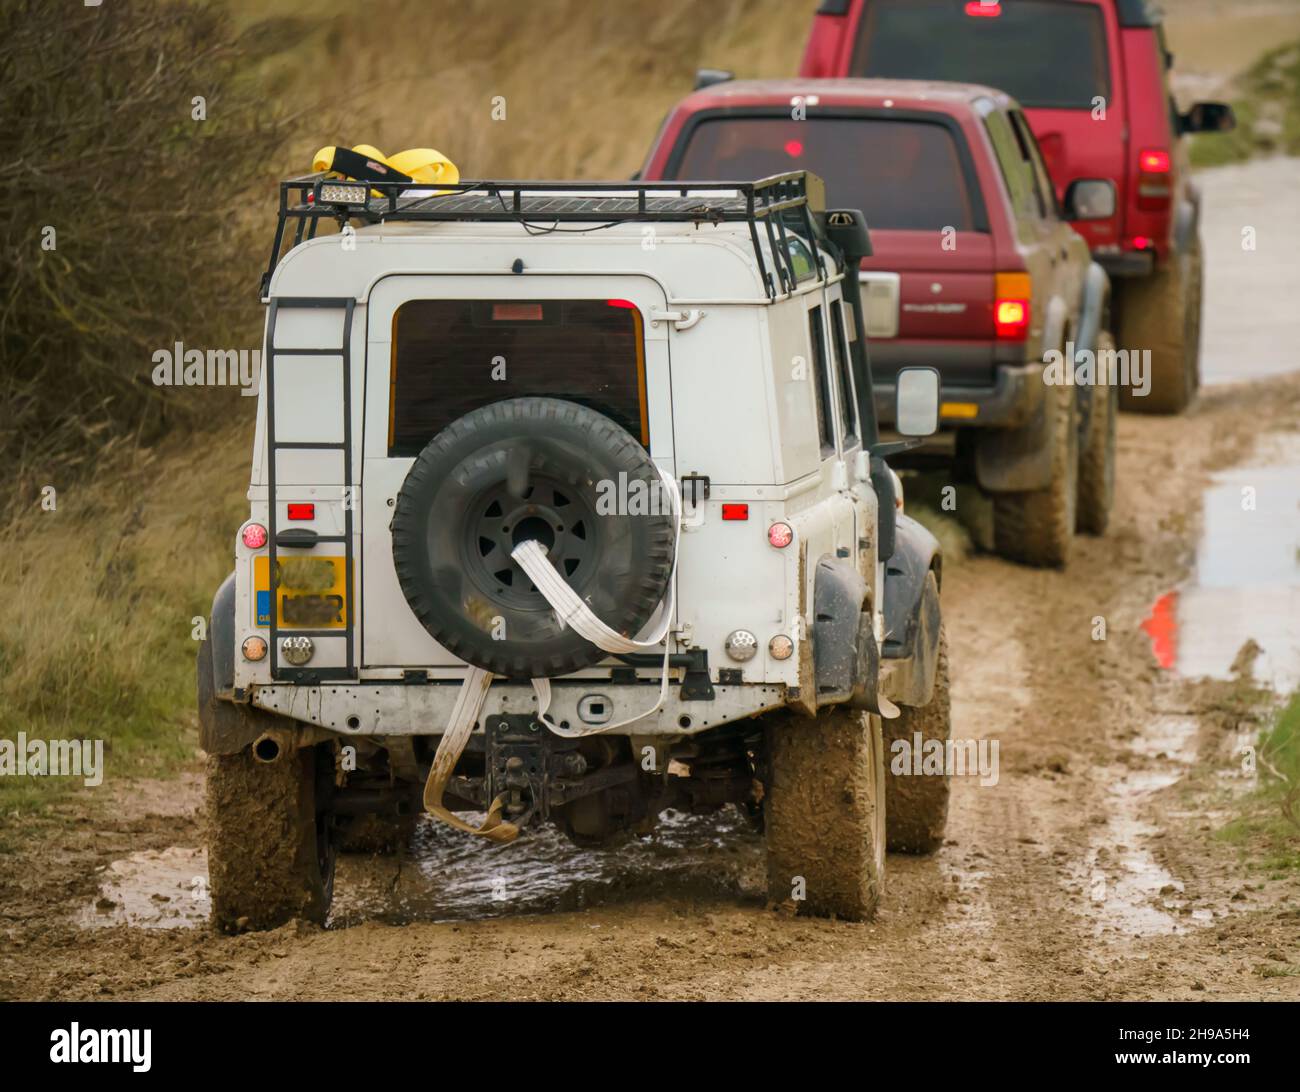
(1093, 78)
(973, 271)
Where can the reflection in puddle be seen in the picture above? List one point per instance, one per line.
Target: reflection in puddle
(1246, 583)
(446, 876)
(155, 889)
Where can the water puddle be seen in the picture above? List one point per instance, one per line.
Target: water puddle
(1127, 890)
(154, 889)
(1245, 589)
(445, 876)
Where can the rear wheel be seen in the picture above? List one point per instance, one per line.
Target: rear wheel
(1037, 527)
(1097, 457)
(1162, 313)
(824, 812)
(270, 853)
(916, 805)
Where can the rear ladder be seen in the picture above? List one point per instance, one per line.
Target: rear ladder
(310, 675)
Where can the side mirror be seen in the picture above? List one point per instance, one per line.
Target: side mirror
(1090, 199)
(1208, 117)
(916, 411)
(846, 229)
(707, 77)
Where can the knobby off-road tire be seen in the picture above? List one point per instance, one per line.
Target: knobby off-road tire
(824, 812)
(541, 469)
(269, 854)
(1163, 313)
(1037, 527)
(916, 806)
(1097, 457)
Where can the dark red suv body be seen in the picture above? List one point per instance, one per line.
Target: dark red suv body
(1092, 77)
(973, 270)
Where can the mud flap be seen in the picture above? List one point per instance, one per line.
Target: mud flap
(912, 615)
(1016, 460)
(845, 657)
(838, 594)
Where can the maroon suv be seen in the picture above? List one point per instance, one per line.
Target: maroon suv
(974, 271)
(1093, 78)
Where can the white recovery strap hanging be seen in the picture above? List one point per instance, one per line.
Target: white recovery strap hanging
(571, 611)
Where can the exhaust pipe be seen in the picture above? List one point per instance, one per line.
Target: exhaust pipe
(269, 747)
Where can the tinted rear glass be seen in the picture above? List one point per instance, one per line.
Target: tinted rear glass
(453, 356)
(1046, 53)
(901, 174)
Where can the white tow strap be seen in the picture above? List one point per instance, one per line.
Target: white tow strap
(571, 611)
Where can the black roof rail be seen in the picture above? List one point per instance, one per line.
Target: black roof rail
(779, 206)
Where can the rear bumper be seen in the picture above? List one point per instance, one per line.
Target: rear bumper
(1131, 263)
(1012, 401)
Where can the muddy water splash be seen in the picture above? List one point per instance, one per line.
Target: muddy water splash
(444, 876)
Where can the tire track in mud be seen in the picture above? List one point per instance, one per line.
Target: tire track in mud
(1007, 909)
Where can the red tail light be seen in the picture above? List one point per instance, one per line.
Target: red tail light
(735, 511)
(1012, 305)
(1154, 188)
(975, 7)
(302, 511)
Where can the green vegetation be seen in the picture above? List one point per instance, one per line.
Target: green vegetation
(1268, 113)
(1268, 827)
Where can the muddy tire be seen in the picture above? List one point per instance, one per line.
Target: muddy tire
(1163, 313)
(1097, 456)
(269, 854)
(824, 813)
(916, 808)
(1037, 527)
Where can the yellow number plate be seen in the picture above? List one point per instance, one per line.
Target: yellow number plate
(311, 592)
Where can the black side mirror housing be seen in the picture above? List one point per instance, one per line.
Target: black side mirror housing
(1209, 117)
(707, 77)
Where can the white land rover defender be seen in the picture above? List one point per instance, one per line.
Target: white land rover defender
(568, 505)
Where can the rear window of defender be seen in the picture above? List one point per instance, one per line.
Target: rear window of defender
(452, 356)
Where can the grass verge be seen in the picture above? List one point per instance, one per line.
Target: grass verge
(1268, 828)
(1268, 113)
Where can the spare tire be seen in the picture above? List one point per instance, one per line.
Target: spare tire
(531, 468)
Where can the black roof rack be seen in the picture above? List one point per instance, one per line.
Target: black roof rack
(782, 206)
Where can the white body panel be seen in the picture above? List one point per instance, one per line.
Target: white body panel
(725, 399)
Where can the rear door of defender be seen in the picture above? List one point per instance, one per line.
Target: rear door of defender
(438, 347)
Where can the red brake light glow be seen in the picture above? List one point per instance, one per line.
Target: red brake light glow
(735, 511)
(302, 511)
(254, 536)
(1012, 293)
(1153, 161)
(978, 7)
(794, 148)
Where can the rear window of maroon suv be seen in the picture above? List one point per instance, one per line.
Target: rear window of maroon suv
(904, 175)
(1048, 54)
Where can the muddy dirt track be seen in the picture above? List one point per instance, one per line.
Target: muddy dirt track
(1088, 871)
